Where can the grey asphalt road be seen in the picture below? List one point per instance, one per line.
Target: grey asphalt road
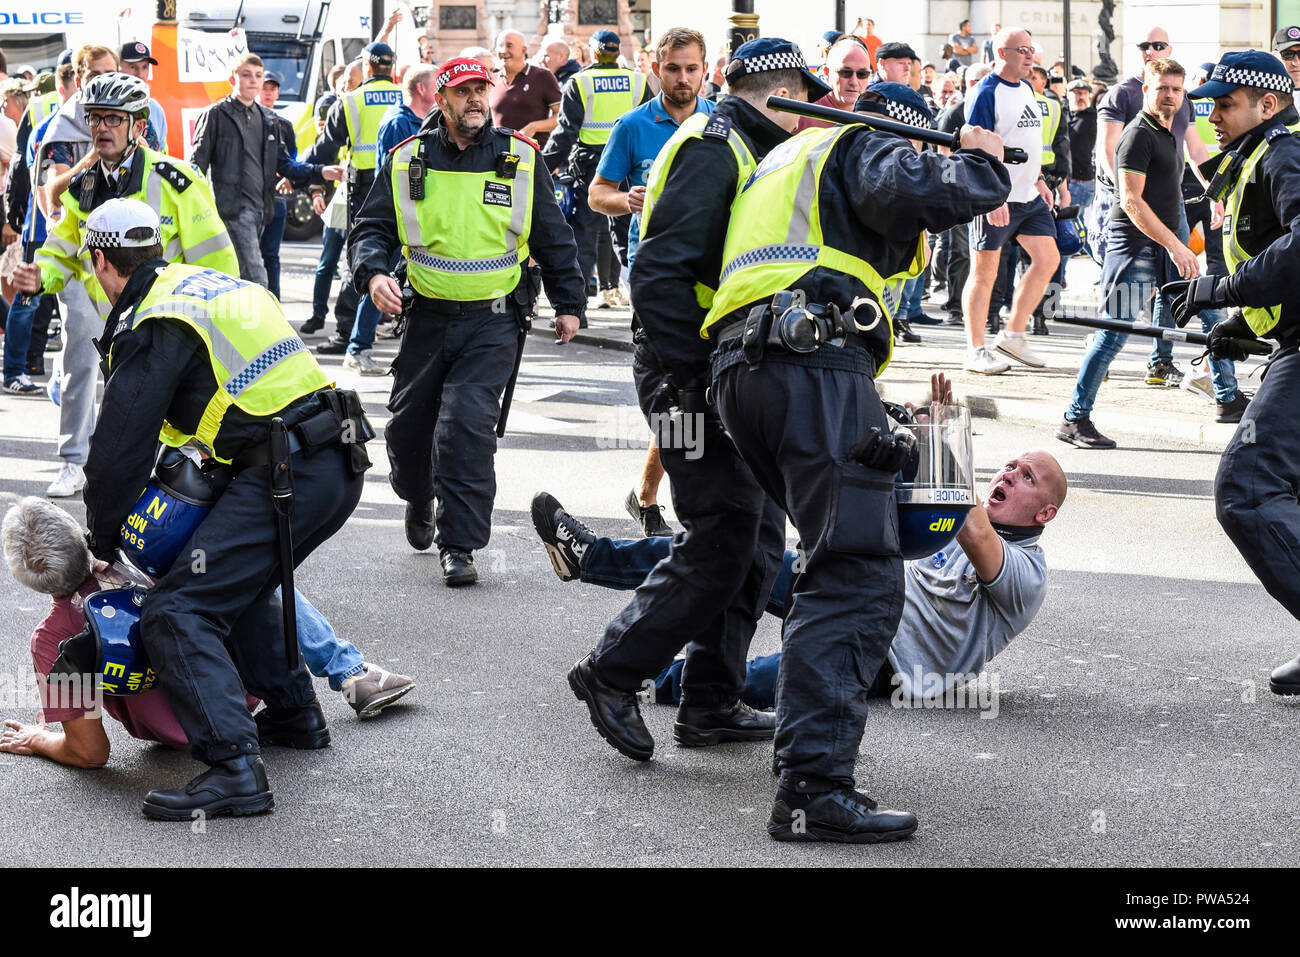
(1132, 724)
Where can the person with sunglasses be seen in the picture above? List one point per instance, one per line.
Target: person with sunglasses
(848, 68)
(1286, 47)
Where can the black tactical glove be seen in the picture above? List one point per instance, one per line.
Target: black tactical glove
(1224, 338)
(1187, 297)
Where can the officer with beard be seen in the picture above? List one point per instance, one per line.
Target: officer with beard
(466, 203)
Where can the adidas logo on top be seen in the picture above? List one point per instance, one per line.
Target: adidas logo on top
(1030, 117)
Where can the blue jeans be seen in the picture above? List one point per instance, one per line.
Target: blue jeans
(272, 237)
(331, 248)
(325, 653)
(18, 337)
(363, 329)
(910, 305)
(1127, 302)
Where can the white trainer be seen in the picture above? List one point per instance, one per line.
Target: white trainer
(362, 362)
(983, 362)
(1013, 344)
(71, 480)
(1198, 383)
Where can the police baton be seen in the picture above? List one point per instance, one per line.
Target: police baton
(1253, 346)
(876, 121)
(282, 502)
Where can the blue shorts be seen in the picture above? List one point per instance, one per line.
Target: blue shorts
(1027, 219)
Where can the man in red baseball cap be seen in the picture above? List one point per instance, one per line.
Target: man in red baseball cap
(467, 205)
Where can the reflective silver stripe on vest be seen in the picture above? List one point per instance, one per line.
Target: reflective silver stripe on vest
(801, 215)
(61, 246)
(213, 244)
(224, 350)
(410, 220)
(352, 112)
(153, 191)
(422, 257)
(261, 364)
(172, 251)
(520, 198)
(780, 253)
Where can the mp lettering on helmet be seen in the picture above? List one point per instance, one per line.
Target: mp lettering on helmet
(612, 84)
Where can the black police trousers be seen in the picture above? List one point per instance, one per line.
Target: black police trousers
(214, 618)
(1257, 488)
(448, 378)
(794, 419)
(710, 591)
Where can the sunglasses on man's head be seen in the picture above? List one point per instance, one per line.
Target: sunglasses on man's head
(1158, 45)
(845, 73)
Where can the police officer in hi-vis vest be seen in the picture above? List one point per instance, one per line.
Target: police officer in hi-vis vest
(1257, 175)
(821, 234)
(353, 121)
(709, 594)
(466, 203)
(593, 100)
(196, 358)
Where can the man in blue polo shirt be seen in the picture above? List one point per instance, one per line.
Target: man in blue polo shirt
(636, 140)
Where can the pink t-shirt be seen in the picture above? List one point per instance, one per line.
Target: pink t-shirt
(808, 123)
(146, 716)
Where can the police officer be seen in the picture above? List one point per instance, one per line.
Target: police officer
(200, 358)
(353, 121)
(591, 103)
(814, 256)
(1257, 174)
(466, 204)
(117, 109)
(709, 593)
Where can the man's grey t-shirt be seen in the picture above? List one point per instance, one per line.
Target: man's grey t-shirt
(1123, 102)
(953, 624)
(968, 40)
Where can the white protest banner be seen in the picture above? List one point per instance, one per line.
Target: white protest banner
(207, 57)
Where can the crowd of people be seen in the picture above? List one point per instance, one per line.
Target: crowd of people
(770, 277)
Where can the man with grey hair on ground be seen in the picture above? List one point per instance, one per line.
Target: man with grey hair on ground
(46, 551)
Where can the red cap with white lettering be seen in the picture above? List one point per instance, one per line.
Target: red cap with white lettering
(459, 70)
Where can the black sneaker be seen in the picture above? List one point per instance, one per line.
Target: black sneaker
(1084, 434)
(1231, 411)
(565, 538)
(457, 568)
(993, 325)
(1040, 326)
(845, 816)
(903, 330)
(648, 518)
(333, 346)
(312, 326)
(954, 319)
(1163, 373)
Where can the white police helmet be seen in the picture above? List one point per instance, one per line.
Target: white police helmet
(121, 223)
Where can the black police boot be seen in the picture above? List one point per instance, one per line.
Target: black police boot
(903, 330)
(36, 366)
(1232, 410)
(311, 326)
(457, 568)
(419, 525)
(233, 788)
(701, 727)
(616, 714)
(845, 816)
(1285, 679)
(333, 346)
(302, 728)
(1040, 325)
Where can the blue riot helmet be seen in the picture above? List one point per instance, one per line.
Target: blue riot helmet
(564, 196)
(1071, 234)
(109, 649)
(936, 489)
(172, 506)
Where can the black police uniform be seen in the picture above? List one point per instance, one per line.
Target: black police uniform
(563, 151)
(212, 625)
(795, 418)
(709, 593)
(1255, 488)
(456, 357)
(333, 137)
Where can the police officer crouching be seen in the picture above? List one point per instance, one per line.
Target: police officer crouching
(814, 254)
(200, 358)
(466, 203)
(1257, 175)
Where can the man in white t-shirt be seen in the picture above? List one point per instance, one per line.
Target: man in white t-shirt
(1004, 103)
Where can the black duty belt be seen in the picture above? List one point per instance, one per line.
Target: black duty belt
(451, 307)
(789, 324)
(315, 422)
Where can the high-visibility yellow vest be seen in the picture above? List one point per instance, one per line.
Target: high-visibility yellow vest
(691, 129)
(192, 230)
(466, 239)
(41, 106)
(1051, 111)
(364, 110)
(260, 362)
(1260, 318)
(775, 235)
(606, 94)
